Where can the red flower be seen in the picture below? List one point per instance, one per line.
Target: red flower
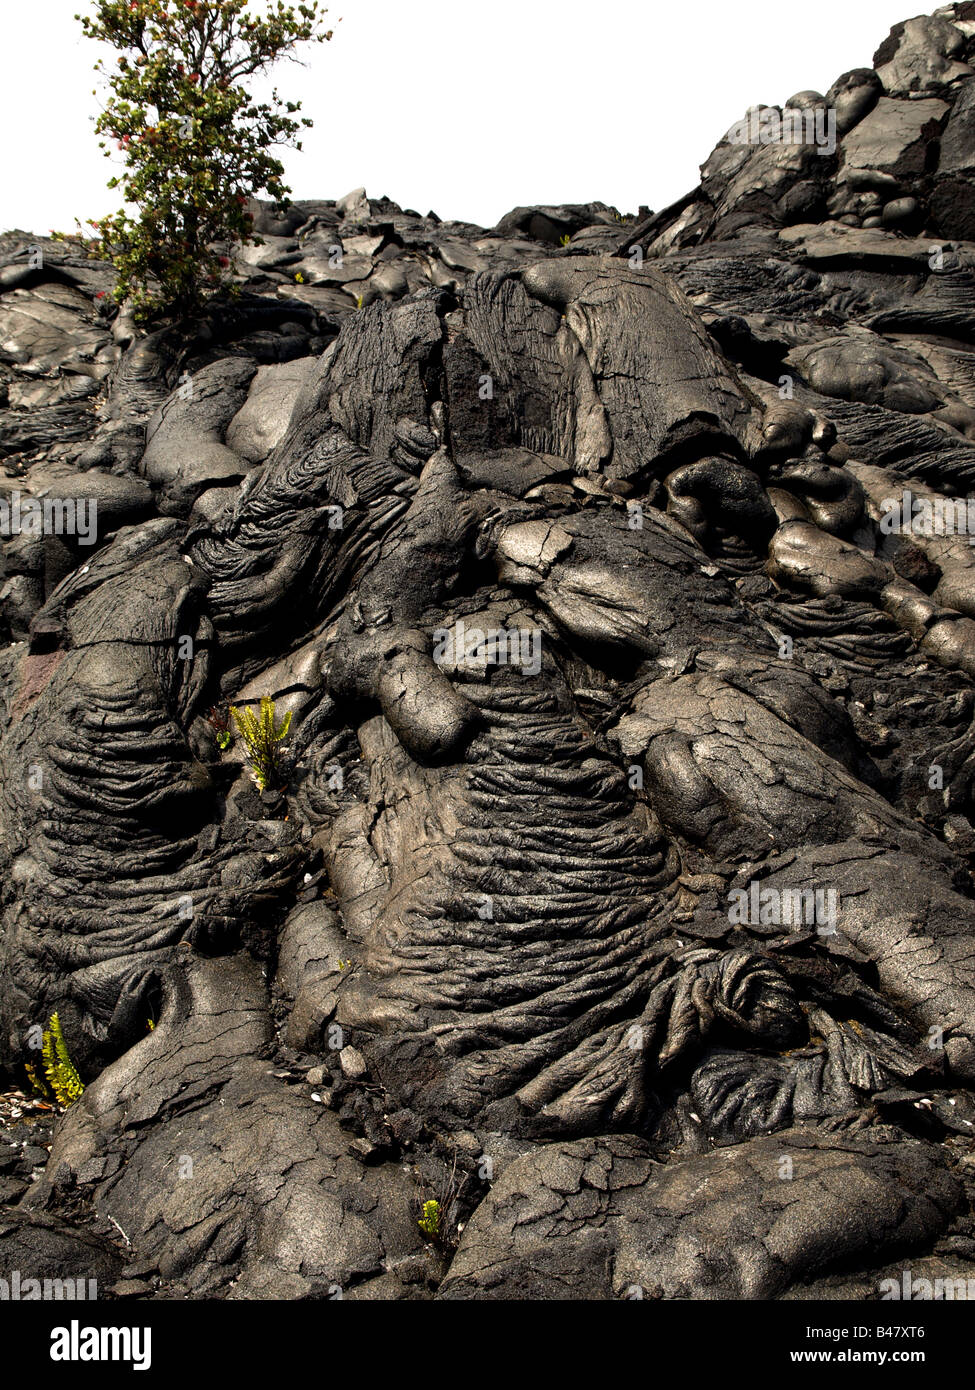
(223, 260)
(100, 294)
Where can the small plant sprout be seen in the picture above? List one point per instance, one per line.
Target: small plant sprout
(217, 719)
(429, 1222)
(437, 1217)
(261, 735)
(564, 239)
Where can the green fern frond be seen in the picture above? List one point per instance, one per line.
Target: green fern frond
(260, 734)
(429, 1222)
(61, 1072)
(38, 1086)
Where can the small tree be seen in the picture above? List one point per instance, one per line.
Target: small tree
(195, 144)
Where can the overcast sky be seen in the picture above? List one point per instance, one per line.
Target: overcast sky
(468, 107)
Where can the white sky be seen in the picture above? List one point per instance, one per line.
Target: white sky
(468, 107)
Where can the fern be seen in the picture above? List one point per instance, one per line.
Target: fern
(36, 1084)
(261, 735)
(61, 1072)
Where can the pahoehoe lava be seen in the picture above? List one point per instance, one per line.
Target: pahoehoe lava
(618, 895)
